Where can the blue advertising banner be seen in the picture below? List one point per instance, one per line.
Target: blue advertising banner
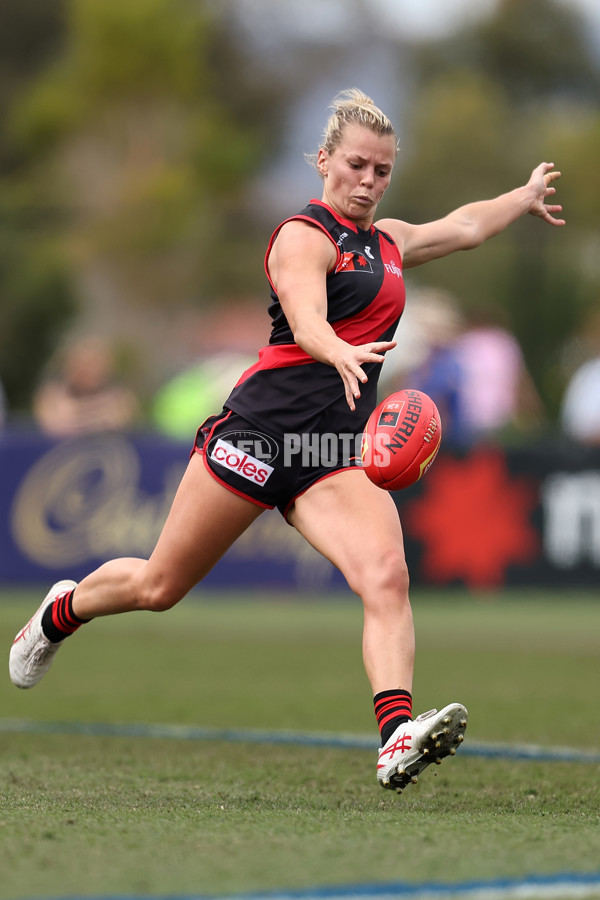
(484, 518)
(67, 506)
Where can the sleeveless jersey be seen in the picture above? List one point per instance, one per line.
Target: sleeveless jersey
(287, 391)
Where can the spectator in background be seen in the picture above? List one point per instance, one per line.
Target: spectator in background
(580, 413)
(498, 391)
(212, 347)
(84, 397)
(431, 363)
(580, 410)
(191, 395)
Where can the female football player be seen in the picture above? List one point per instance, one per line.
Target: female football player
(337, 294)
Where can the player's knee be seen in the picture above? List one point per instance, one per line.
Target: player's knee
(385, 572)
(157, 597)
(390, 574)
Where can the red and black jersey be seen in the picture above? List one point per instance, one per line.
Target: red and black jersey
(287, 391)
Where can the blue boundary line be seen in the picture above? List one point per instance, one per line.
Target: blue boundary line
(349, 742)
(583, 886)
(533, 887)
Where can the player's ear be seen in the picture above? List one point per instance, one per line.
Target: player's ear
(322, 161)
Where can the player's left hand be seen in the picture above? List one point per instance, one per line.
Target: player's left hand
(349, 361)
(541, 187)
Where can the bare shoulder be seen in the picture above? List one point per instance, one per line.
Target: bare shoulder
(398, 230)
(303, 241)
(420, 243)
(304, 232)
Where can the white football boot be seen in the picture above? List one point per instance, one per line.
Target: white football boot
(32, 653)
(418, 743)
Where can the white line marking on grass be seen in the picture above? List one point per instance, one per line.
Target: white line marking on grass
(582, 886)
(533, 887)
(251, 736)
(565, 885)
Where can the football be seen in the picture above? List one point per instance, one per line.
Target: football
(401, 439)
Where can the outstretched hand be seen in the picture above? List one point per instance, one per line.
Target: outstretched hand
(350, 363)
(541, 186)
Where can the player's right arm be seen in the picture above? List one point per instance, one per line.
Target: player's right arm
(298, 265)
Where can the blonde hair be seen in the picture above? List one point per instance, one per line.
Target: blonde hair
(351, 107)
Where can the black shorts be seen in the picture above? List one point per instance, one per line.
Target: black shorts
(270, 471)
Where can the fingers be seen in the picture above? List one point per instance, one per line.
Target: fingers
(353, 376)
(351, 370)
(374, 352)
(350, 399)
(549, 177)
(540, 208)
(548, 215)
(547, 172)
(381, 346)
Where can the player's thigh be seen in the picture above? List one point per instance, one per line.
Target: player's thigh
(355, 525)
(204, 521)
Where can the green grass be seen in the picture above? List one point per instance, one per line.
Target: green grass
(82, 815)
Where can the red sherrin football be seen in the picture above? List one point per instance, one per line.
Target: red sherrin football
(401, 439)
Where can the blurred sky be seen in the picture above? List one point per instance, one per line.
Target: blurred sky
(434, 18)
(417, 19)
(412, 19)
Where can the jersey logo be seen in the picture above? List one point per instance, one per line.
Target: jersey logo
(368, 252)
(393, 269)
(353, 262)
(247, 466)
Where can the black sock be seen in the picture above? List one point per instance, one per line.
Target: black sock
(392, 708)
(59, 620)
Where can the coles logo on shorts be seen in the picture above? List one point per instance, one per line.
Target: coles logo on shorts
(239, 461)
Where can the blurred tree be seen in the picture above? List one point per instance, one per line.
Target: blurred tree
(36, 302)
(133, 167)
(131, 133)
(491, 103)
(35, 297)
(538, 50)
(31, 34)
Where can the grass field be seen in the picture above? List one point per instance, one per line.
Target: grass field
(90, 814)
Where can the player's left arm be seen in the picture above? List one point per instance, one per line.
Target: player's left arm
(470, 225)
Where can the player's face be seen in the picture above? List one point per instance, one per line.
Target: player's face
(357, 172)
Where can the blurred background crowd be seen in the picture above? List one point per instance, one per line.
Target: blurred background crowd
(148, 149)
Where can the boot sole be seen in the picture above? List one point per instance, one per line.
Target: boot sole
(443, 738)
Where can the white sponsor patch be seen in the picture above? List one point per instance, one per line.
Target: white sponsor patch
(247, 466)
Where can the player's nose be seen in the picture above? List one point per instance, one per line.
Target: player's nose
(368, 178)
